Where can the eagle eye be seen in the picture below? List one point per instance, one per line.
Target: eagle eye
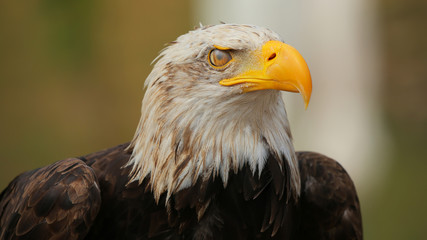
(219, 58)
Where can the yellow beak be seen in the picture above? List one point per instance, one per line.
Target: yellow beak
(279, 66)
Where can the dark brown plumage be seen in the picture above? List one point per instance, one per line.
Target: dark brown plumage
(212, 158)
(51, 208)
(59, 201)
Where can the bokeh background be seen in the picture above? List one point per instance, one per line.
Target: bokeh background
(71, 77)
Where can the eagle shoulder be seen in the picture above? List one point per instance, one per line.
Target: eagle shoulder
(57, 201)
(329, 204)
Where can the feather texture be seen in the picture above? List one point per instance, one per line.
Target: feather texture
(249, 207)
(59, 201)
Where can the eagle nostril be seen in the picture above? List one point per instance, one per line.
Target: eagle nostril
(272, 56)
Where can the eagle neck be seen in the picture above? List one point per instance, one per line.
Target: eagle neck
(177, 144)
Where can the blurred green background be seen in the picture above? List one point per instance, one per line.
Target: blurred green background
(71, 77)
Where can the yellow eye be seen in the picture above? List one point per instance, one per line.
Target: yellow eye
(219, 58)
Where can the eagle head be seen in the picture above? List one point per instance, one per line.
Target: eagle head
(212, 104)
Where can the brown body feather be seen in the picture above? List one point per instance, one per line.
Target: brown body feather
(62, 201)
(59, 201)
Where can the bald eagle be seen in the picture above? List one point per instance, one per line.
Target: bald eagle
(212, 157)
